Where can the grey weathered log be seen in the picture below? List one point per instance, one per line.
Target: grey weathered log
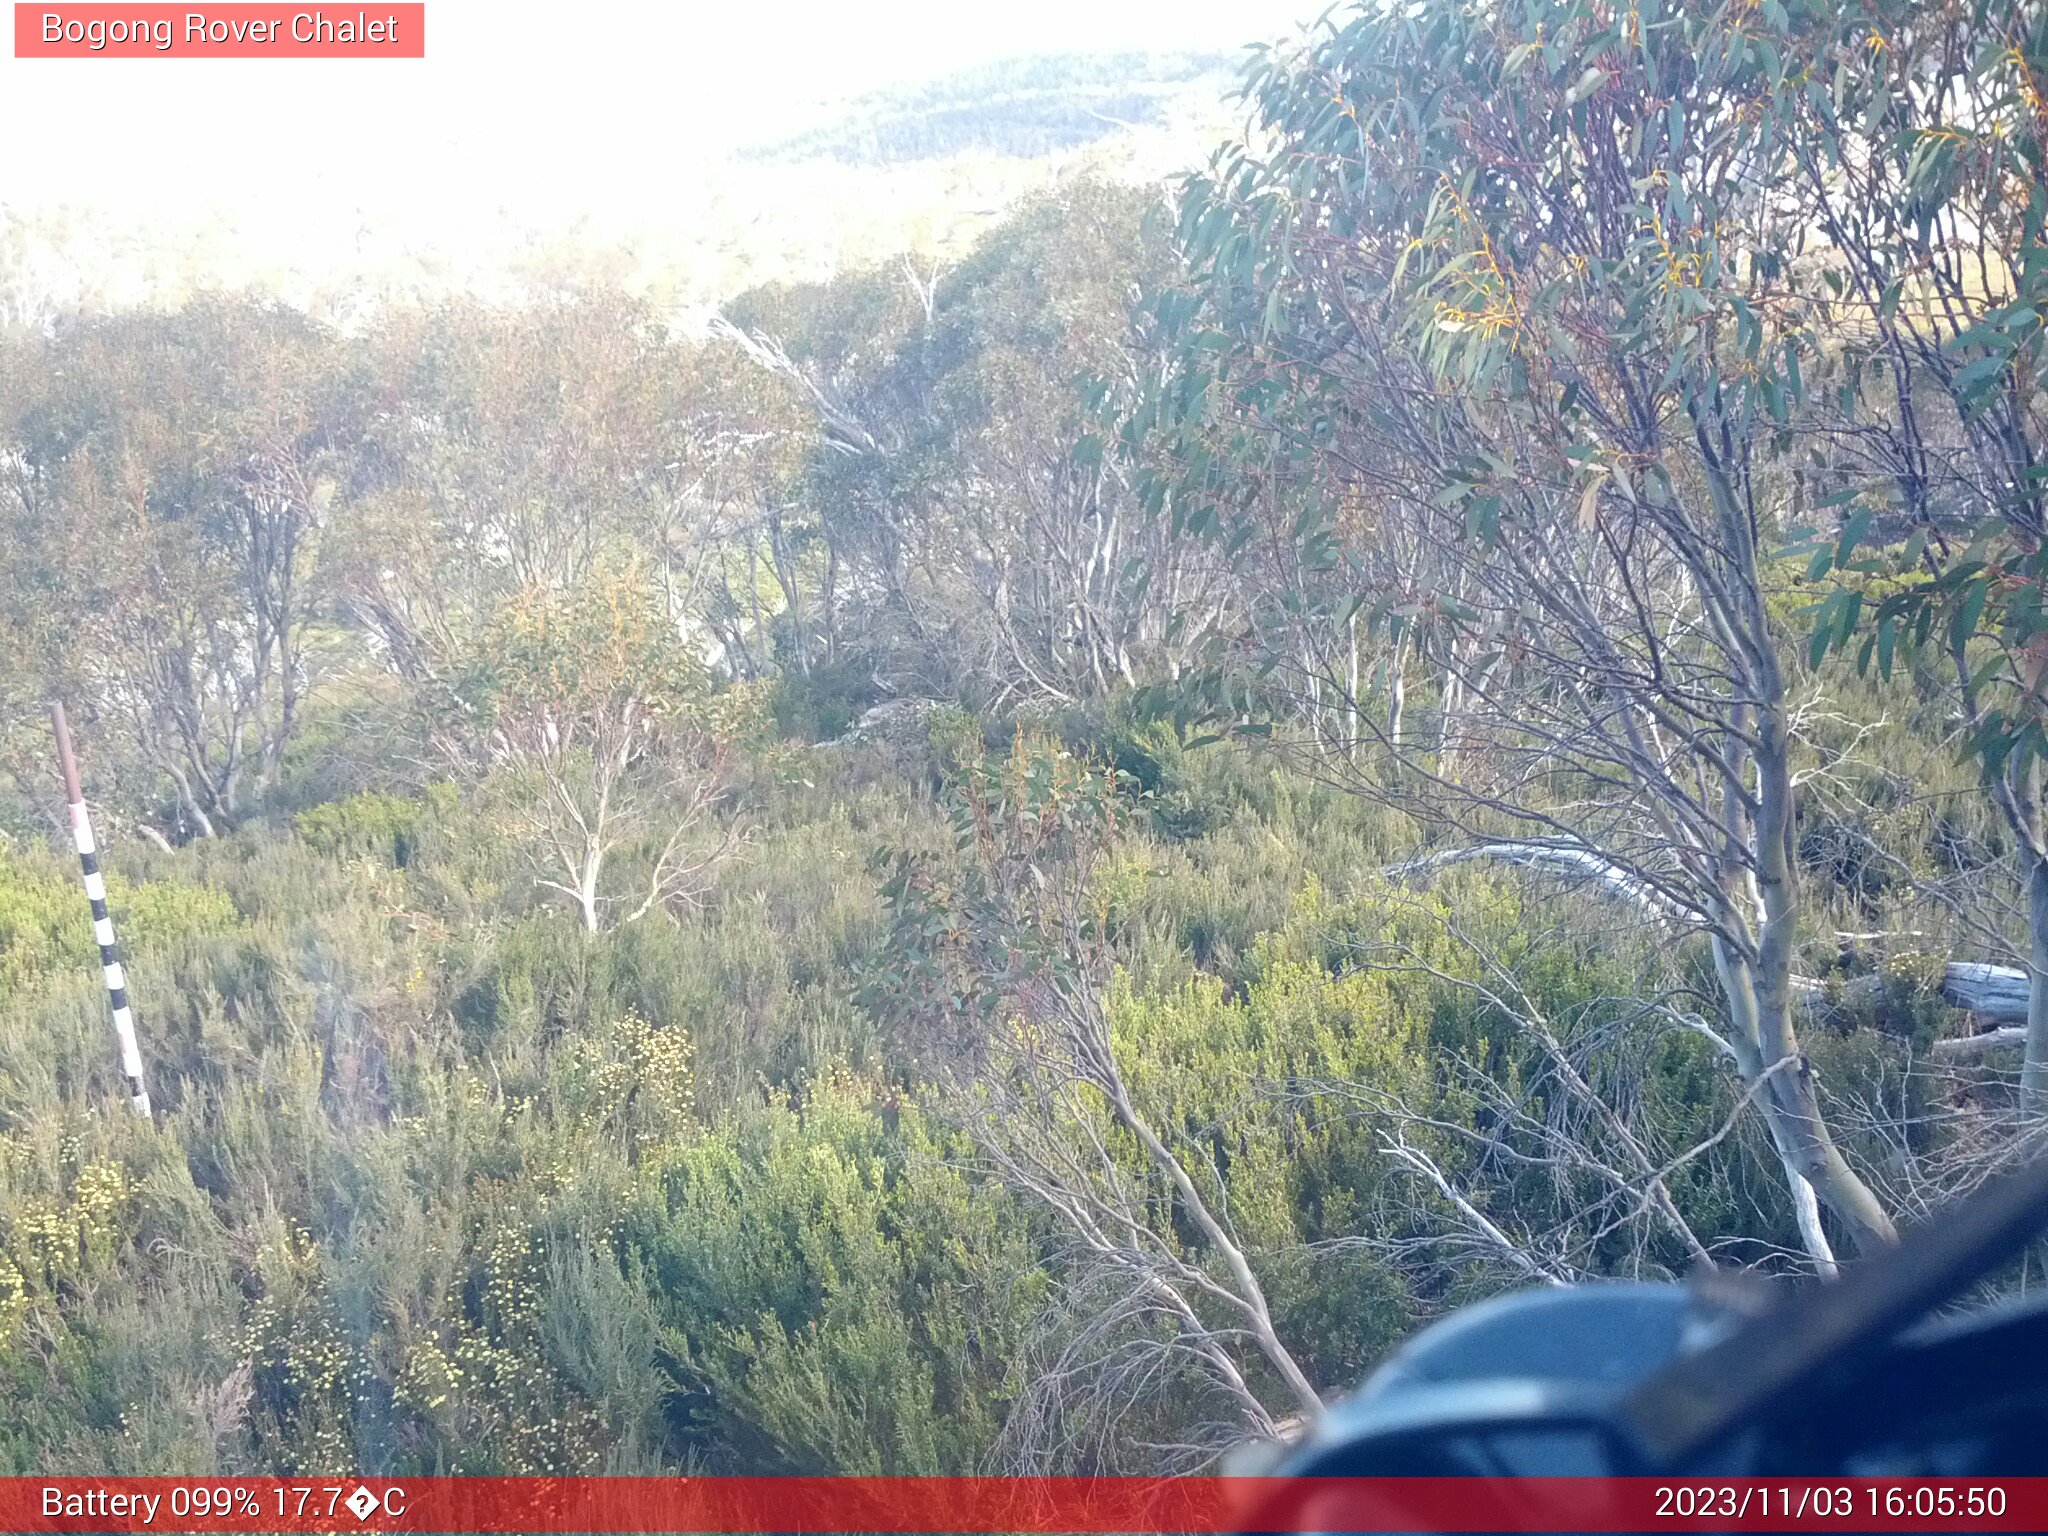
(1567, 860)
(1970, 1047)
(1995, 994)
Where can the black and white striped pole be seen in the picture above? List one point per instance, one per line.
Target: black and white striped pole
(102, 925)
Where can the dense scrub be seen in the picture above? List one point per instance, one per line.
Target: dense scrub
(441, 1182)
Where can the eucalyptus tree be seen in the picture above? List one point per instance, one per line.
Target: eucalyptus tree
(1916, 165)
(962, 504)
(1482, 346)
(530, 449)
(590, 725)
(1075, 586)
(516, 437)
(839, 351)
(168, 488)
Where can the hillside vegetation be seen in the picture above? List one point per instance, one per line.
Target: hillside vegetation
(1026, 865)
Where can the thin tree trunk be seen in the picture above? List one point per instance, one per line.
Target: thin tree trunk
(1791, 1098)
(1452, 699)
(150, 835)
(1397, 692)
(586, 889)
(1257, 1314)
(1352, 732)
(2034, 1067)
(189, 801)
(1812, 1163)
(1810, 1153)
(2019, 798)
(1806, 1210)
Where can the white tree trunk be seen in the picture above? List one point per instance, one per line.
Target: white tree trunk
(586, 888)
(2034, 1066)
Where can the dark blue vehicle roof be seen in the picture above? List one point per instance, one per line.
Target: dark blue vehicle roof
(1612, 1335)
(1528, 1356)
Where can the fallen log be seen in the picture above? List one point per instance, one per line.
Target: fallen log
(1563, 859)
(1995, 994)
(1970, 1047)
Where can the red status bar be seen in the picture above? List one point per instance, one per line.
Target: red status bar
(1198, 1505)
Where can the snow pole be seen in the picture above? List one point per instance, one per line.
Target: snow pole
(102, 924)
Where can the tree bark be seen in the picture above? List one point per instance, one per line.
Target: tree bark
(1767, 1053)
(1397, 692)
(2034, 1066)
(586, 889)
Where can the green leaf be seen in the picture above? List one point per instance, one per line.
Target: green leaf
(1845, 621)
(1853, 529)
(1823, 634)
(1971, 611)
(1974, 377)
(1588, 83)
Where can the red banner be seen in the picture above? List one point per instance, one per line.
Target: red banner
(1207, 1506)
(225, 31)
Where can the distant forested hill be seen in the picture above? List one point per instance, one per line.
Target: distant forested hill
(1020, 107)
(922, 168)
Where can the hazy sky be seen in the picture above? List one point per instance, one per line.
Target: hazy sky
(519, 101)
